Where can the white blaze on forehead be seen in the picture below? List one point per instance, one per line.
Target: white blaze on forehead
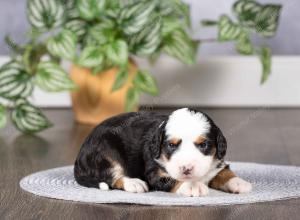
(186, 124)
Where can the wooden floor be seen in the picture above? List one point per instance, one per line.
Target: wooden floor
(255, 135)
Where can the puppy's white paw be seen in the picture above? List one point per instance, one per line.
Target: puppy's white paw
(134, 185)
(103, 186)
(194, 189)
(238, 185)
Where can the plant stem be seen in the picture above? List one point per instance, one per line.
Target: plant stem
(208, 40)
(13, 46)
(209, 23)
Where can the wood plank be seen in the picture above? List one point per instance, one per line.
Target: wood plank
(268, 137)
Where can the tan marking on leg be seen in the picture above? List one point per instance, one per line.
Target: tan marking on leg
(176, 186)
(117, 171)
(119, 184)
(221, 178)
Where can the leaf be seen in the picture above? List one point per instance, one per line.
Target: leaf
(134, 17)
(148, 39)
(3, 119)
(176, 9)
(70, 9)
(44, 14)
(13, 46)
(120, 80)
(169, 25)
(63, 45)
(132, 99)
(52, 78)
(263, 18)
(90, 9)
(179, 45)
(91, 57)
(113, 8)
(15, 82)
(228, 31)
(247, 11)
(266, 21)
(265, 58)
(102, 33)
(77, 26)
(117, 52)
(28, 118)
(145, 82)
(244, 45)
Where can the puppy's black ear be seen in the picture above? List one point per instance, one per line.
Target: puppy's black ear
(157, 140)
(221, 144)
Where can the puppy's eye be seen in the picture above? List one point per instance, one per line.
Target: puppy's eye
(172, 145)
(203, 145)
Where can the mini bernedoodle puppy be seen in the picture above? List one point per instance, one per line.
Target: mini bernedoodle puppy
(182, 153)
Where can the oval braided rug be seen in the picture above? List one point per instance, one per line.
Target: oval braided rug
(270, 182)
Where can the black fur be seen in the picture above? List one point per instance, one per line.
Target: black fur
(134, 141)
(217, 138)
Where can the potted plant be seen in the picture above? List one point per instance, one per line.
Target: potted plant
(101, 38)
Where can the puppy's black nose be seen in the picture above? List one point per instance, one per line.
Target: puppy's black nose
(187, 170)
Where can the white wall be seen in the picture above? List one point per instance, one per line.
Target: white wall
(213, 81)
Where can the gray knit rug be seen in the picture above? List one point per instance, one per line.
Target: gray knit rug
(270, 182)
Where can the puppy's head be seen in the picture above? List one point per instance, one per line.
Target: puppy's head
(188, 145)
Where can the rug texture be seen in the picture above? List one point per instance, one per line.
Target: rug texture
(270, 182)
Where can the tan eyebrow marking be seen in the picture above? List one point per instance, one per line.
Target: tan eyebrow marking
(199, 140)
(175, 141)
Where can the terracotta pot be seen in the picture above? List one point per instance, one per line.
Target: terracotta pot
(93, 101)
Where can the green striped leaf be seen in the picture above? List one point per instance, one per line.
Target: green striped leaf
(228, 31)
(3, 119)
(28, 118)
(132, 99)
(91, 57)
(148, 39)
(179, 45)
(113, 8)
(103, 32)
(63, 45)
(175, 8)
(244, 45)
(134, 17)
(247, 11)
(77, 26)
(117, 52)
(90, 9)
(70, 9)
(120, 80)
(169, 25)
(145, 82)
(264, 18)
(52, 78)
(266, 21)
(15, 82)
(44, 14)
(266, 61)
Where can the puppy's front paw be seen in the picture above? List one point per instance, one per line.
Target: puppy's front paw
(194, 189)
(134, 185)
(238, 185)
